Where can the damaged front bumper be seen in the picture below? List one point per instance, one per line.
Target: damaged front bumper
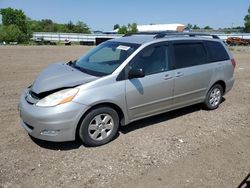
(58, 123)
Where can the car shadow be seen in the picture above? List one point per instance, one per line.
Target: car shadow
(161, 118)
(64, 146)
(70, 145)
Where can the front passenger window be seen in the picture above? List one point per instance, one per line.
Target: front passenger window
(152, 60)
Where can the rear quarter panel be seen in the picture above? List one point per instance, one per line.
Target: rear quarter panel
(225, 72)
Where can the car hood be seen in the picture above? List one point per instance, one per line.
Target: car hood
(58, 76)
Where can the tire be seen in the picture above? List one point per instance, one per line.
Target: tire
(214, 97)
(99, 126)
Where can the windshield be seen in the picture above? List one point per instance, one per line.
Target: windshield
(105, 58)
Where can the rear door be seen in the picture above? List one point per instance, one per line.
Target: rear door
(192, 73)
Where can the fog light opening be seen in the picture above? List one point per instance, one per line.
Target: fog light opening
(50, 132)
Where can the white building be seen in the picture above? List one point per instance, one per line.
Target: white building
(161, 27)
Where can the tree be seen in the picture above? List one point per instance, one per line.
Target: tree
(11, 33)
(81, 27)
(131, 28)
(14, 25)
(116, 26)
(14, 17)
(19, 28)
(247, 21)
(70, 26)
(47, 25)
(196, 27)
(190, 26)
(208, 27)
(123, 30)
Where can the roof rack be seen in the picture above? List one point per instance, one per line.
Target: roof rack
(148, 33)
(159, 35)
(190, 34)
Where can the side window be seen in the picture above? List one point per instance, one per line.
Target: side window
(216, 51)
(152, 60)
(189, 54)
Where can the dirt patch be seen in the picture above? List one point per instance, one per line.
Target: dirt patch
(189, 147)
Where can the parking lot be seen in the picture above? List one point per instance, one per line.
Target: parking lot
(190, 147)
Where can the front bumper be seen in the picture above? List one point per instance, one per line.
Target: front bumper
(57, 123)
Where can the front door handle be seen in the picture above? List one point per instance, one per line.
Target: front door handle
(179, 74)
(167, 77)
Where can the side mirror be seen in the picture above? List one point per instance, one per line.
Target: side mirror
(136, 73)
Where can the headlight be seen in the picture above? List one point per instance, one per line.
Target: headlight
(59, 97)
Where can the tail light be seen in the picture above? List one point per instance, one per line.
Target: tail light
(233, 62)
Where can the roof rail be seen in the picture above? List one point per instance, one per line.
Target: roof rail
(190, 34)
(148, 33)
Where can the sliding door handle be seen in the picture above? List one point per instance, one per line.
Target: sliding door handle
(167, 77)
(179, 74)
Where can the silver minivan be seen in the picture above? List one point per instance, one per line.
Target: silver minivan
(123, 80)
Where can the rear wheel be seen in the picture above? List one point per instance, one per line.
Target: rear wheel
(214, 97)
(99, 126)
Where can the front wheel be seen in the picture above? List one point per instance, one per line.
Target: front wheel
(99, 126)
(214, 97)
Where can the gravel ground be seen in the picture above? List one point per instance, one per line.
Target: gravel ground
(189, 147)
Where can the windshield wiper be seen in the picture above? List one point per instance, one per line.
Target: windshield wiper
(71, 63)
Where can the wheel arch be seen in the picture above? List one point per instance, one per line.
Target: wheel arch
(117, 108)
(222, 83)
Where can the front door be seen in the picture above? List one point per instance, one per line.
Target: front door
(153, 93)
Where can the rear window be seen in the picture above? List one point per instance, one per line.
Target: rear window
(189, 54)
(216, 51)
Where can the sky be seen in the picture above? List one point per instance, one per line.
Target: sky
(104, 14)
